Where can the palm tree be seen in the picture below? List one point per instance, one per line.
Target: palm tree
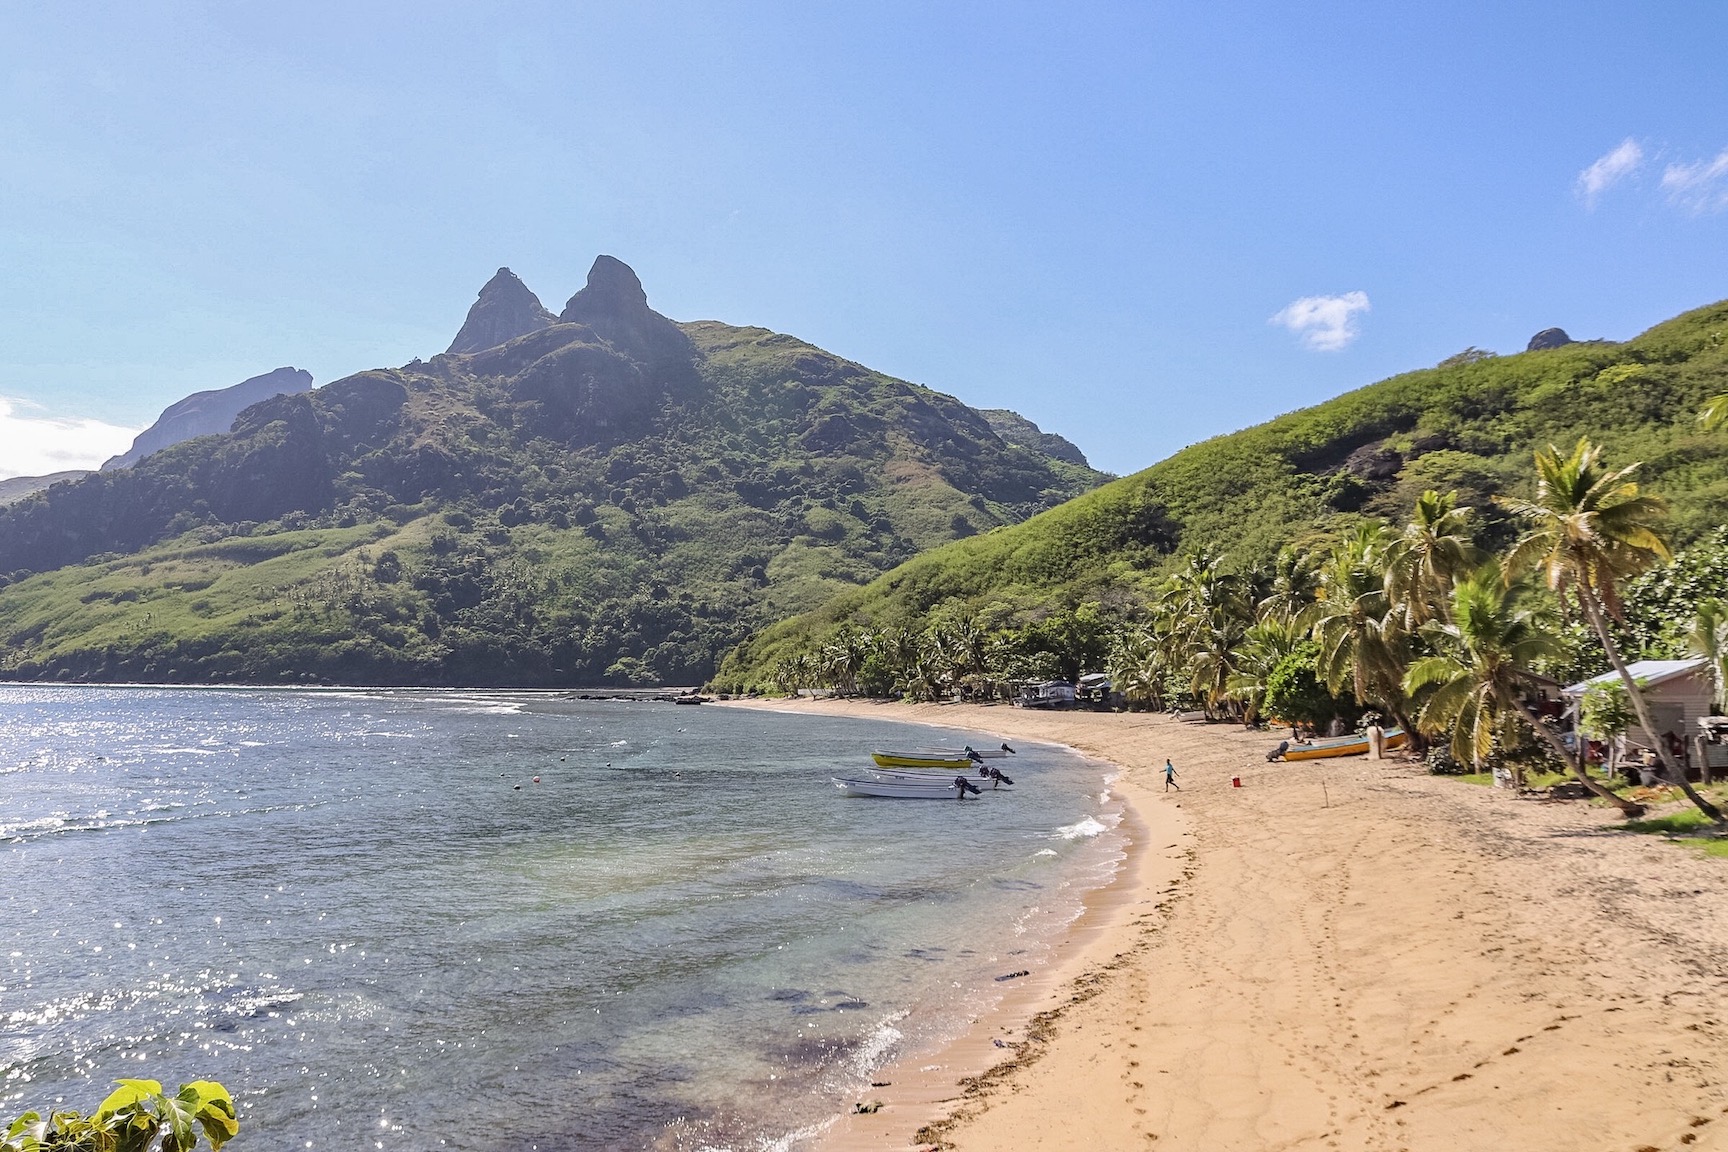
(1709, 639)
(843, 658)
(1291, 583)
(1137, 668)
(1478, 678)
(1361, 637)
(1715, 412)
(1212, 660)
(1588, 529)
(1433, 550)
(1264, 646)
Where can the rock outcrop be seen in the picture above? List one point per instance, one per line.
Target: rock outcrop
(505, 310)
(1548, 338)
(210, 413)
(1016, 429)
(615, 307)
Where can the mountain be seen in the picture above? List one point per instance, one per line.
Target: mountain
(15, 488)
(1016, 429)
(611, 497)
(209, 413)
(505, 310)
(1469, 425)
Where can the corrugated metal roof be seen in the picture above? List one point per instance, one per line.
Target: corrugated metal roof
(1647, 672)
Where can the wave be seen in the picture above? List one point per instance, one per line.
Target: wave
(63, 823)
(875, 1048)
(1082, 830)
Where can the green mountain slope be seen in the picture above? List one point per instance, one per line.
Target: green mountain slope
(1469, 426)
(605, 497)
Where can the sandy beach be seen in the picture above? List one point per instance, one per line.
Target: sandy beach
(1339, 955)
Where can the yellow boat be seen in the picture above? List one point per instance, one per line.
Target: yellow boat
(1342, 746)
(922, 759)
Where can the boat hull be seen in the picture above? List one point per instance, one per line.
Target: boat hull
(934, 776)
(1342, 746)
(895, 789)
(943, 760)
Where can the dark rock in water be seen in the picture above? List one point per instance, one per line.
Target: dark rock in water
(210, 413)
(505, 310)
(1548, 338)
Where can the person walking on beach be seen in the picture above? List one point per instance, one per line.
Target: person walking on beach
(1170, 776)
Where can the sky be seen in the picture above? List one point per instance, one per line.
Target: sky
(1138, 224)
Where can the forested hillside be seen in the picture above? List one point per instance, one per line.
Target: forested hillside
(1468, 426)
(604, 496)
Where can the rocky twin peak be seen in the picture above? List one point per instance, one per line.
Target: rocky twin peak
(505, 310)
(612, 305)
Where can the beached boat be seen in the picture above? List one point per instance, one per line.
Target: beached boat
(898, 789)
(1356, 745)
(937, 757)
(936, 775)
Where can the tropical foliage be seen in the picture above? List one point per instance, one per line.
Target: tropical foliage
(1418, 622)
(138, 1116)
(1308, 477)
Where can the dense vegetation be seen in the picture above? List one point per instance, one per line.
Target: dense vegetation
(1467, 427)
(611, 498)
(1418, 625)
(138, 1116)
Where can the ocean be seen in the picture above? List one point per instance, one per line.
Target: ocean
(360, 911)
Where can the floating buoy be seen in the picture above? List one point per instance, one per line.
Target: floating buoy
(536, 779)
(518, 787)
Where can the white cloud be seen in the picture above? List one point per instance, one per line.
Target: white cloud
(1325, 323)
(1702, 187)
(38, 445)
(1609, 170)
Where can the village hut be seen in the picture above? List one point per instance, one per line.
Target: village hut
(1678, 694)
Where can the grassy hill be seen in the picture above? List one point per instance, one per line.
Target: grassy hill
(1468, 425)
(609, 497)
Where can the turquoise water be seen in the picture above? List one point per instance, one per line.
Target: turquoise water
(359, 911)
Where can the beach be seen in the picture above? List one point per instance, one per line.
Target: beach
(1338, 954)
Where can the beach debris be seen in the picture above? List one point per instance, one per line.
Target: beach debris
(880, 1083)
(872, 1106)
(1012, 975)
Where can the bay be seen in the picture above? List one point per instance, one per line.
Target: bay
(361, 912)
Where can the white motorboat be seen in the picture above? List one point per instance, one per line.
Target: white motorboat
(900, 789)
(939, 776)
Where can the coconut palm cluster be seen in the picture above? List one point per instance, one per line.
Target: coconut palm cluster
(1418, 623)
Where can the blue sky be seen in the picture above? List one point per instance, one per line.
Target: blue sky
(1091, 213)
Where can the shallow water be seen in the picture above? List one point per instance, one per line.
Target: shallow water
(359, 911)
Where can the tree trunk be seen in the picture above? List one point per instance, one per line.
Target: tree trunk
(1587, 597)
(1627, 807)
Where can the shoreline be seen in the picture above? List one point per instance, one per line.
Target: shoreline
(1358, 955)
(924, 1088)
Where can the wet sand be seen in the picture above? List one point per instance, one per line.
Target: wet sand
(1340, 954)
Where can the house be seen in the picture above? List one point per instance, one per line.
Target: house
(1048, 694)
(1678, 693)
